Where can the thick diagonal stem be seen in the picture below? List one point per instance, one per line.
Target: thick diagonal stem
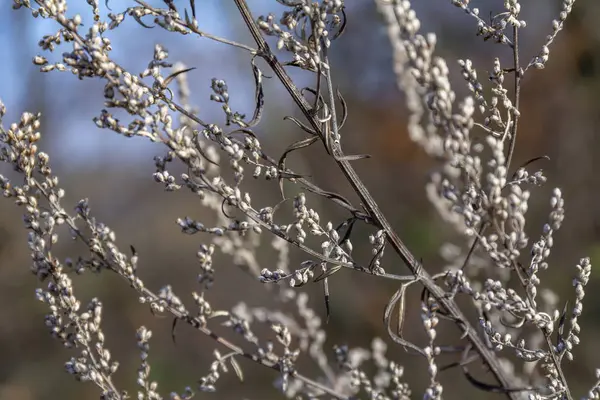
(487, 355)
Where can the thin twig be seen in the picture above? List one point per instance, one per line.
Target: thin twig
(184, 316)
(198, 32)
(516, 101)
(547, 336)
(511, 149)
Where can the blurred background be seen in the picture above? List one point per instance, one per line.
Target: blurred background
(560, 118)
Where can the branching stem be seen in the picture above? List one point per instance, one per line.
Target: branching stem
(379, 219)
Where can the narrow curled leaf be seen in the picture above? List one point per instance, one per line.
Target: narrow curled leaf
(353, 157)
(219, 313)
(473, 246)
(342, 29)
(236, 367)
(193, 7)
(171, 5)
(244, 131)
(300, 144)
(400, 299)
(225, 200)
(486, 387)
(317, 92)
(259, 95)
(344, 109)
(561, 323)
(319, 100)
(139, 21)
(517, 324)
(290, 3)
(302, 126)
(327, 299)
(188, 21)
(387, 313)
(336, 198)
(173, 326)
(350, 224)
(203, 153)
(297, 64)
(459, 363)
(293, 147)
(176, 74)
(544, 157)
(401, 314)
(326, 274)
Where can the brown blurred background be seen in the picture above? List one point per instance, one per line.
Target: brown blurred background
(560, 118)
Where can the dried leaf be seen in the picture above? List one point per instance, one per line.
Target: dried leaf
(259, 95)
(336, 198)
(242, 130)
(173, 326)
(326, 274)
(327, 298)
(544, 157)
(293, 147)
(236, 368)
(223, 209)
(350, 223)
(561, 323)
(344, 109)
(188, 21)
(139, 21)
(176, 74)
(353, 157)
(342, 29)
(492, 388)
(193, 7)
(387, 313)
(302, 126)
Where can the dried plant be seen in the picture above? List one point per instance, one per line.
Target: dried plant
(472, 189)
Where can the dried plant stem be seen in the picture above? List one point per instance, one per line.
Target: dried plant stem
(487, 355)
(547, 337)
(200, 33)
(178, 314)
(472, 189)
(513, 140)
(309, 185)
(516, 101)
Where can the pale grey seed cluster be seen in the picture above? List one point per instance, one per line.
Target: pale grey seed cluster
(378, 241)
(470, 190)
(496, 27)
(387, 382)
(307, 25)
(430, 322)
(479, 197)
(402, 23)
(66, 321)
(148, 387)
(541, 59)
